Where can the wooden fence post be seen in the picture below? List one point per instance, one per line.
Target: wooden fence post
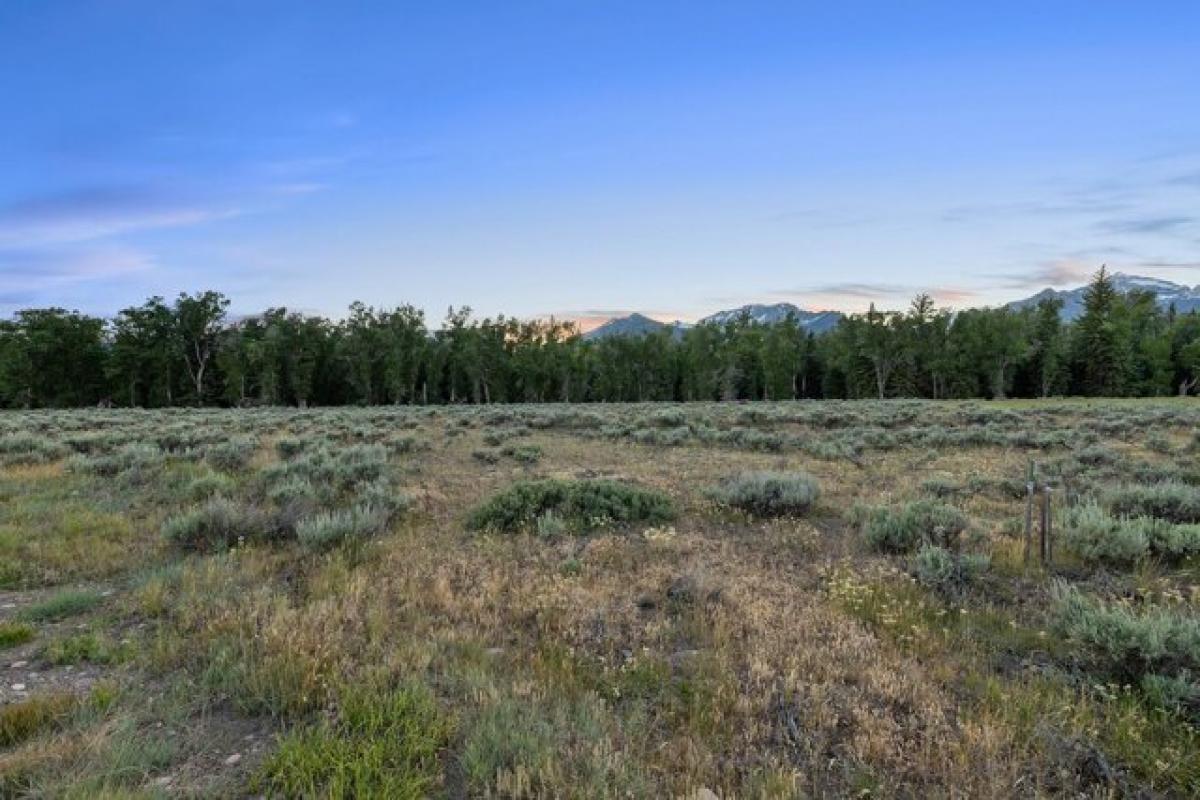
(1049, 523)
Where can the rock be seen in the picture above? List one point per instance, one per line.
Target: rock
(233, 759)
(18, 687)
(704, 793)
(19, 664)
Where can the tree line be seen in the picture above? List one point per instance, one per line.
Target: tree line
(188, 352)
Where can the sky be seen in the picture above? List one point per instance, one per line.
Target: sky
(589, 159)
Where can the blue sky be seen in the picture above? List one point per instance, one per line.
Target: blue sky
(591, 158)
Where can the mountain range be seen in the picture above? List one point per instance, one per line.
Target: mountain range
(1183, 297)
(639, 325)
(1166, 293)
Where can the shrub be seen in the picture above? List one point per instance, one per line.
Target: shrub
(232, 455)
(941, 570)
(549, 525)
(220, 523)
(1127, 643)
(1099, 538)
(294, 490)
(328, 529)
(132, 458)
(206, 486)
(940, 487)
(524, 454)
(1175, 542)
(381, 745)
(289, 447)
(486, 456)
(360, 464)
(1158, 443)
(768, 494)
(901, 530)
(1173, 692)
(580, 504)
(1174, 502)
(380, 494)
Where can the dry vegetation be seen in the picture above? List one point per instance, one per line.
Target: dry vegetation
(766, 600)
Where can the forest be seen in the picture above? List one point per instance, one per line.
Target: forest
(190, 352)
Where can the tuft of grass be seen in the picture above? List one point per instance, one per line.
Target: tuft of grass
(82, 647)
(15, 633)
(382, 744)
(768, 494)
(28, 718)
(581, 505)
(62, 604)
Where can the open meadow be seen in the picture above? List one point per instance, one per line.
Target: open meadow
(792, 599)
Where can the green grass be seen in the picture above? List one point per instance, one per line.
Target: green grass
(15, 633)
(382, 744)
(62, 604)
(87, 647)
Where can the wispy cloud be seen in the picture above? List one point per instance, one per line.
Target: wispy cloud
(1146, 225)
(1055, 272)
(98, 212)
(852, 296)
(1189, 179)
(24, 272)
(1083, 205)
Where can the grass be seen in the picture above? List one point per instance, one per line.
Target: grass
(384, 743)
(822, 642)
(61, 605)
(15, 633)
(28, 718)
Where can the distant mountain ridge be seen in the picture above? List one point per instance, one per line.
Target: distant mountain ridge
(635, 324)
(815, 321)
(1184, 298)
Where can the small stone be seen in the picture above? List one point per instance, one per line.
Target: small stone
(233, 759)
(164, 780)
(18, 687)
(18, 664)
(704, 793)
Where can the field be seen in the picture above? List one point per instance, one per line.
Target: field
(736, 600)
